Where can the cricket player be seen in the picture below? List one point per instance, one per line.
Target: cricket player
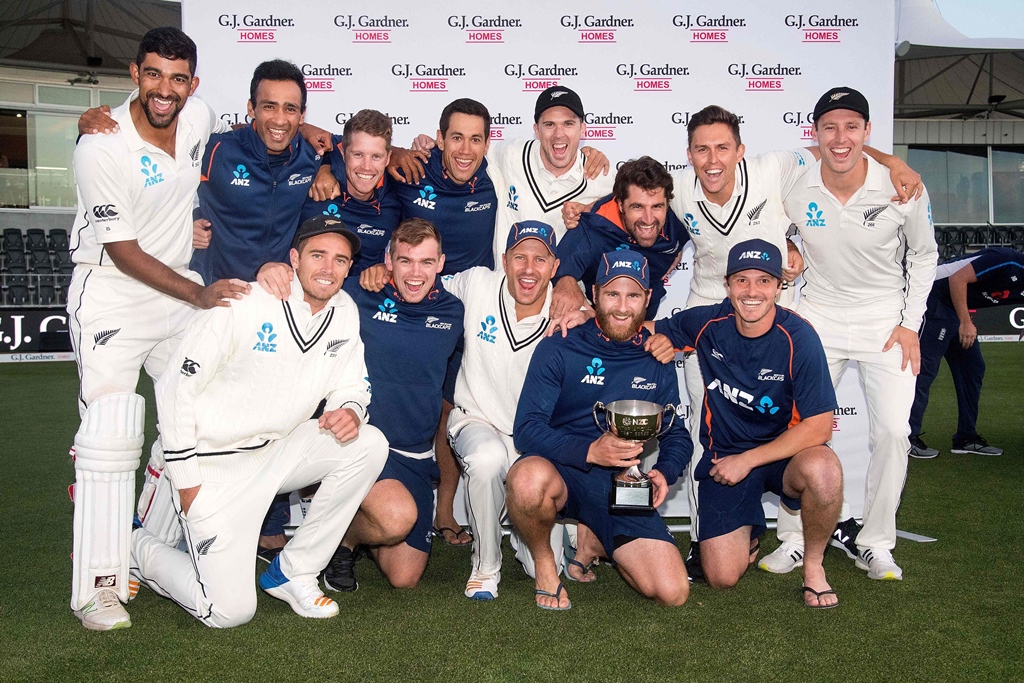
(506, 317)
(635, 216)
(765, 420)
(567, 469)
(870, 266)
(990, 277)
(235, 407)
(129, 299)
(409, 329)
(361, 195)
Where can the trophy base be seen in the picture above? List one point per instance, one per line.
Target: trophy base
(632, 496)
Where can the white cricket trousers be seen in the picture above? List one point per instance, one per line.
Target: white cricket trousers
(118, 326)
(859, 335)
(213, 581)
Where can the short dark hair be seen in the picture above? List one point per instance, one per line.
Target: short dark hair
(169, 43)
(713, 114)
(277, 70)
(465, 106)
(369, 121)
(646, 173)
(414, 231)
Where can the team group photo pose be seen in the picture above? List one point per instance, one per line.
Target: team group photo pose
(474, 337)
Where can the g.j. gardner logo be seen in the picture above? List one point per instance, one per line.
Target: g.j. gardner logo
(387, 312)
(595, 372)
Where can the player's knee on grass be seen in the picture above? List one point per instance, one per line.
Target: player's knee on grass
(671, 589)
(237, 613)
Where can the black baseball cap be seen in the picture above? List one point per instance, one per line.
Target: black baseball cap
(842, 98)
(319, 225)
(755, 254)
(558, 96)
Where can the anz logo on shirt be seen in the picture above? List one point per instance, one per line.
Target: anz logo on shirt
(691, 224)
(241, 176)
(815, 216)
(488, 330)
(513, 198)
(388, 312)
(266, 338)
(595, 373)
(151, 172)
(734, 394)
(426, 198)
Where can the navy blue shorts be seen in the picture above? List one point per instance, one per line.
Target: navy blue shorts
(722, 508)
(589, 498)
(418, 477)
(454, 363)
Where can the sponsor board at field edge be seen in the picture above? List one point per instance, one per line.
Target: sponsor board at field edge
(23, 330)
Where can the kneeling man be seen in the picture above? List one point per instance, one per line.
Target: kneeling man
(766, 416)
(234, 410)
(567, 472)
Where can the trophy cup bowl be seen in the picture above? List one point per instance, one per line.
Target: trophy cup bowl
(640, 421)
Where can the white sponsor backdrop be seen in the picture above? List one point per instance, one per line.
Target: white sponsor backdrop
(641, 69)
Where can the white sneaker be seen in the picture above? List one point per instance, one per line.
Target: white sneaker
(785, 559)
(879, 564)
(104, 612)
(305, 598)
(483, 586)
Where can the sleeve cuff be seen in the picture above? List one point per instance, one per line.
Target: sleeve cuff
(185, 473)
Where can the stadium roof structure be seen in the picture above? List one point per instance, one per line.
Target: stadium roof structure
(941, 73)
(92, 36)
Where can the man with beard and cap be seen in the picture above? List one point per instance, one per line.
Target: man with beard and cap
(235, 406)
(765, 420)
(635, 216)
(566, 472)
(130, 297)
(506, 317)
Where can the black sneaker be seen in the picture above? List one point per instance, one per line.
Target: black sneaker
(340, 574)
(267, 554)
(975, 445)
(845, 537)
(693, 568)
(919, 449)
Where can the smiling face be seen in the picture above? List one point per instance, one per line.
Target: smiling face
(752, 293)
(714, 154)
(559, 132)
(277, 113)
(644, 214)
(321, 264)
(463, 147)
(841, 135)
(164, 87)
(415, 268)
(529, 267)
(366, 158)
(620, 307)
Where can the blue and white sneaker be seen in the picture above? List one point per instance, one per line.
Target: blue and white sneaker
(302, 595)
(483, 586)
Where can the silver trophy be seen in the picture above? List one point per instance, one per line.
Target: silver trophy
(638, 421)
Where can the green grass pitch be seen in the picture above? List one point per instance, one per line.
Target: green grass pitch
(958, 615)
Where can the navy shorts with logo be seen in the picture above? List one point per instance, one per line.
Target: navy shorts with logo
(418, 476)
(589, 500)
(723, 508)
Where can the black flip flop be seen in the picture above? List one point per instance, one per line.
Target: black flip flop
(818, 594)
(440, 532)
(555, 595)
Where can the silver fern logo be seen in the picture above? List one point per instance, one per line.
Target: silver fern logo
(754, 215)
(203, 547)
(871, 214)
(101, 338)
(194, 153)
(334, 346)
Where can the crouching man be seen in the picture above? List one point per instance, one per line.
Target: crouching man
(766, 417)
(235, 411)
(567, 468)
